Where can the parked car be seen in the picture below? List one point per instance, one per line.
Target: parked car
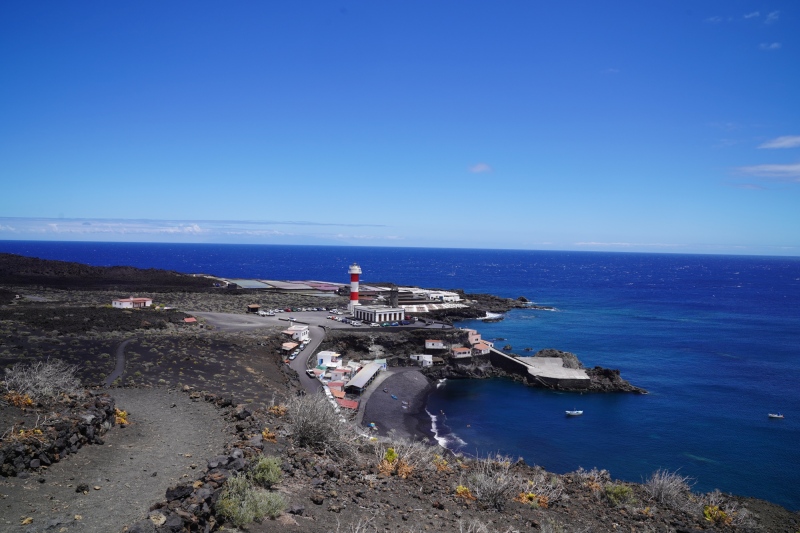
(310, 373)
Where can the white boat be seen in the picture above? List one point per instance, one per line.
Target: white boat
(574, 413)
(775, 415)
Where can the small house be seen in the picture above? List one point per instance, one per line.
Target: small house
(480, 348)
(473, 337)
(460, 351)
(297, 332)
(328, 359)
(434, 344)
(132, 303)
(422, 359)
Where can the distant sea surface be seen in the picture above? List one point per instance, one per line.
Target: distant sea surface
(715, 339)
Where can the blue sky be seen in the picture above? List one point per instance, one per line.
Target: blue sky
(663, 126)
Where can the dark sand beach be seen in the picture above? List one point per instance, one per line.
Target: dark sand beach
(388, 414)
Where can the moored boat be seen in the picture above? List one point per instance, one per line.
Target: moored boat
(574, 413)
(775, 415)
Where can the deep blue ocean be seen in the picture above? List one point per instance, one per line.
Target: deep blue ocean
(715, 339)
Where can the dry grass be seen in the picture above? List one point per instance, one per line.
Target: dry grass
(542, 490)
(491, 480)
(42, 381)
(402, 457)
(669, 488)
(317, 425)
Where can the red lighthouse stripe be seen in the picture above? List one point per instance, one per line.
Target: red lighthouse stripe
(353, 277)
(353, 296)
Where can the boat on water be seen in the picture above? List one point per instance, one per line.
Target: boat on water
(574, 413)
(775, 415)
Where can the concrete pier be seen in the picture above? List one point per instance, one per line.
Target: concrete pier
(547, 371)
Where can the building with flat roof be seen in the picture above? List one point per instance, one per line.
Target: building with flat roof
(328, 359)
(297, 332)
(362, 380)
(379, 313)
(422, 359)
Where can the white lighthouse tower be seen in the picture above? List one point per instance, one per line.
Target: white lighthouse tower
(354, 271)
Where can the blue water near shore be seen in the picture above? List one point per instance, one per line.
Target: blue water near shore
(715, 339)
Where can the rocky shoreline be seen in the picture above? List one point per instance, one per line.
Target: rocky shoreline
(323, 493)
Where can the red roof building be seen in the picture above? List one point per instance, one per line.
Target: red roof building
(347, 404)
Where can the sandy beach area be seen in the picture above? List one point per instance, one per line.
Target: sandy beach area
(405, 415)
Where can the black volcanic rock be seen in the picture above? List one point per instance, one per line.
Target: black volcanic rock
(21, 271)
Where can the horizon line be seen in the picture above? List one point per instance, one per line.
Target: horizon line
(560, 250)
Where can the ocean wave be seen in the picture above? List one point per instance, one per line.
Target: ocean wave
(490, 316)
(440, 383)
(450, 441)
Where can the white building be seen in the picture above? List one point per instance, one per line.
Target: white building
(329, 359)
(297, 332)
(422, 359)
(379, 313)
(444, 296)
(434, 344)
(132, 303)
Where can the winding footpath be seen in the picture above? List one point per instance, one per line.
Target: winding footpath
(168, 441)
(119, 368)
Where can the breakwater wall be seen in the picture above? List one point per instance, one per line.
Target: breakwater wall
(532, 376)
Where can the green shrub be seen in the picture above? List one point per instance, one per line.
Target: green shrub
(272, 503)
(618, 494)
(391, 455)
(266, 471)
(713, 513)
(241, 502)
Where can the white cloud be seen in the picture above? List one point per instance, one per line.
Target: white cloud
(172, 230)
(769, 46)
(785, 141)
(772, 17)
(754, 14)
(788, 173)
(714, 20)
(480, 168)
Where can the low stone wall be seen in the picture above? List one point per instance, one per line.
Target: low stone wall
(83, 422)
